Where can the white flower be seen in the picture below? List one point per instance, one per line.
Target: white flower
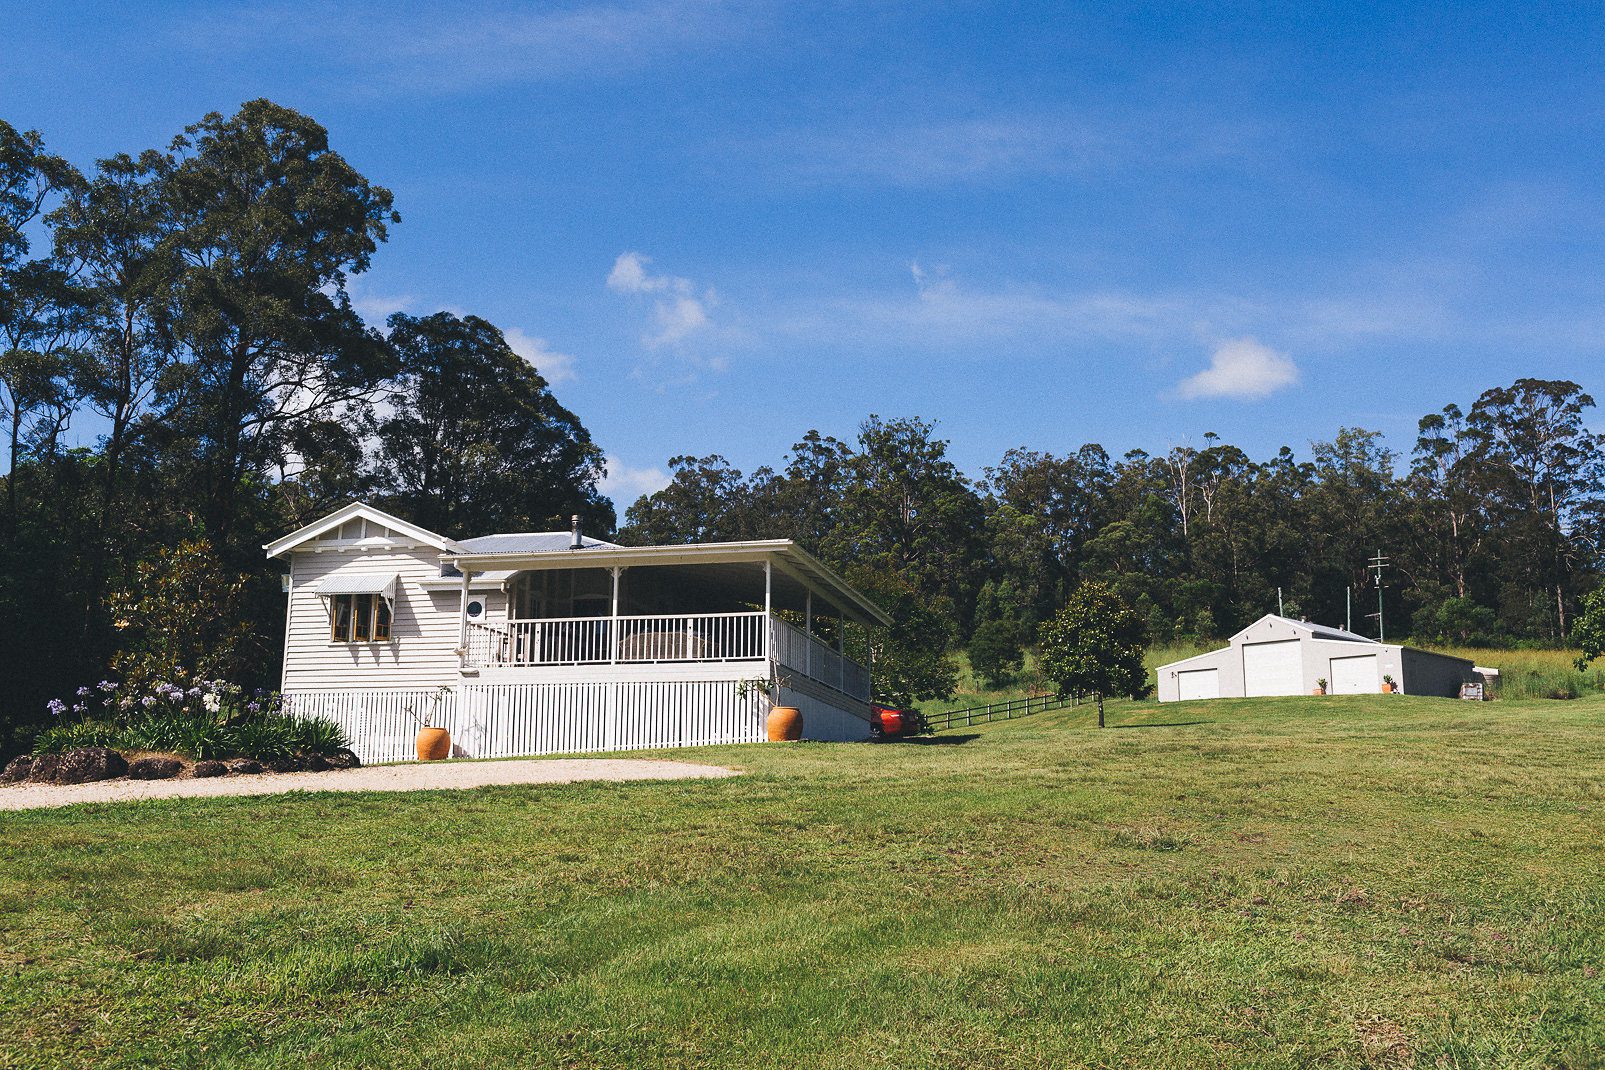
(211, 703)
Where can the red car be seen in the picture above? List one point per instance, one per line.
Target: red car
(895, 724)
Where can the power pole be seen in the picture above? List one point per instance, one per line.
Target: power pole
(1376, 565)
(1348, 609)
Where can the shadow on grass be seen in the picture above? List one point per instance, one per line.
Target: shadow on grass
(940, 741)
(1161, 724)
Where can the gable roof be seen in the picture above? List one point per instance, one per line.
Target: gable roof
(353, 511)
(1317, 631)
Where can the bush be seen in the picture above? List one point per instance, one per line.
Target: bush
(208, 720)
(995, 652)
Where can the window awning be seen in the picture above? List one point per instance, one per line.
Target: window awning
(380, 583)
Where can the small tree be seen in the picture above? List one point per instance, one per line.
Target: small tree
(1588, 630)
(182, 610)
(1095, 645)
(995, 652)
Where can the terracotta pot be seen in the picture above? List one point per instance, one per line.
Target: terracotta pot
(1388, 689)
(785, 724)
(433, 744)
(1319, 691)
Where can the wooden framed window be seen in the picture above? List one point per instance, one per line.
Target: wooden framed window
(359, 618)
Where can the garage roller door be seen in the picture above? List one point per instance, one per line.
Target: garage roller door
(1198, 683)
(1273, 668)
(1355, 675)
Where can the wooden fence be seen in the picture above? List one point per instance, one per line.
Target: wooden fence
(997, 711)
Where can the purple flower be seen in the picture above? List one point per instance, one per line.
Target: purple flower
(194, 692)
(83, 692)
(80, 708)
(254, 707)
(56, 706)
(148, 701)
(107, 685)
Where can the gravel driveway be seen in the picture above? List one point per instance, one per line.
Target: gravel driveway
(413, 777)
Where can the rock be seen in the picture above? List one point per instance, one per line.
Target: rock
(343, 759)
(203, 770)
(314, 763)
(241, 766)
(155, 767)
(282, 765)
(81, 766)
(44, 768)
(17, 769)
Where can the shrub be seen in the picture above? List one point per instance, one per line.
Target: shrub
(71, 736)
(995, 652)
(208, 720)
(318, 735)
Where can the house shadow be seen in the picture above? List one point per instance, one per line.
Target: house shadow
(940, 741)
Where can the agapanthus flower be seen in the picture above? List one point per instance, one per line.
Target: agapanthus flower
(148, 701)
(83, 692)
(56, 706)
(80, 708)
(253, 707)
(194, 692)
(107, 686)
(212, 703)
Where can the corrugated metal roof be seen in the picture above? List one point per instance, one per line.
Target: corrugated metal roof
(526, 542)
(358, 583)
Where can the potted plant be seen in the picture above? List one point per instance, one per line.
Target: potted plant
(1320, 687)
(784, 723)
(433, 742)
(1388, 686)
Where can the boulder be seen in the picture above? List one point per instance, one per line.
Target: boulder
(343, 759)
(155, 767)
(291, 764)
(244, 766)
(206, 769)
(314, 763)
(17, 769)
(81, 766)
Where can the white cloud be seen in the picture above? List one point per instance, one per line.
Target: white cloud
(556, 367)
(625, 484)
(451, 47)
(679, 311)
(1241, 368)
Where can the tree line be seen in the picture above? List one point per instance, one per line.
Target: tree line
(186, 310)
(1492, 526)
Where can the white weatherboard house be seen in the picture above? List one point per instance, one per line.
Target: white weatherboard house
(548, 642)
(1281, 656)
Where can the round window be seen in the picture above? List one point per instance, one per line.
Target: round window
(476, 609)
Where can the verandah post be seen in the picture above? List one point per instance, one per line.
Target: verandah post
(462, 624)
(768, 621)
(613, 621)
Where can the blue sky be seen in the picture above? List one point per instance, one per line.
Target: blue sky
(717, 225)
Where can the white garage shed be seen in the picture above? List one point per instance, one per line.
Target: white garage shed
(1281, 656)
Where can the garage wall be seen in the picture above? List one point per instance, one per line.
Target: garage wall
(1426, 673)
(1226, 661)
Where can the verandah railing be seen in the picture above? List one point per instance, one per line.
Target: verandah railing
(664, 638)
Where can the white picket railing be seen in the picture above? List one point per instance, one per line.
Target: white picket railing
(798, 651)
(507, 720)
(677, 637)
(641, 639)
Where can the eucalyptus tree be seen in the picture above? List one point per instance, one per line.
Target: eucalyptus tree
(38, 304)
(474, 440)
(269, 223)
(1545, 474)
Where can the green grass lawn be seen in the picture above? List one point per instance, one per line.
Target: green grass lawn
(1362, 881)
